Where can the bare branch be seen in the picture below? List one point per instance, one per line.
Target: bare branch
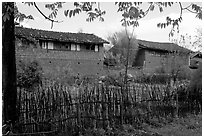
(45, 15)
(147, 11)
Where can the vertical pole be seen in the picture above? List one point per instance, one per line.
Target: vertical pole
(177, 105)
(8, 64)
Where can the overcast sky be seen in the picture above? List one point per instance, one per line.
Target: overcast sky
(147, 29)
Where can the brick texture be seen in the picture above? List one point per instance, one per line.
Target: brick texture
(54, 62)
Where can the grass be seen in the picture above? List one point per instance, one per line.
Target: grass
(191, 125)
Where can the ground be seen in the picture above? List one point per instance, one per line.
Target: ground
(186, 126)
(190, 125)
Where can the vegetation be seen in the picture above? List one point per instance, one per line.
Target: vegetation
(29, 74)
(120, 42)
(131, 12)
(55, 109)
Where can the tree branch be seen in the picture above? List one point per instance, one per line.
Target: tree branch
(181, 7)
(147, 11)
(186, 8)
(45, 15)
(191, 11)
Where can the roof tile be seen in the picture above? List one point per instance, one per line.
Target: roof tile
(59, 36)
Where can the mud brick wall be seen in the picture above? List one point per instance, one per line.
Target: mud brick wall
(168, 62)
(55, 62)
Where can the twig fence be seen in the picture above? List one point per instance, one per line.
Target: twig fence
(57, 108)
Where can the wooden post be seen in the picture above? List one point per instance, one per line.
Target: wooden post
(78, 113)
(177, 105)
(121, 105)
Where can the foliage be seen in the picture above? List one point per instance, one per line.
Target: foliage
(175, 22)
(153, 78)
(195, 87)
(110, 62)
(121, 42)
(7, 11)
(198, 39)
(96, 110)
(131, 12)
(20, 17)
(189, 41)
(29, 74)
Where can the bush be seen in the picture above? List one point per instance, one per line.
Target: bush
(29, 74)
(153, 78)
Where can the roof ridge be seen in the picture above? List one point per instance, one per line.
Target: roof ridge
(156, 42)
(52, 30)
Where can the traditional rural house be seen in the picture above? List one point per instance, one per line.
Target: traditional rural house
(76, 53)
(158, 57)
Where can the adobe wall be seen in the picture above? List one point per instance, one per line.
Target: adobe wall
(168, 62)
(55, 62)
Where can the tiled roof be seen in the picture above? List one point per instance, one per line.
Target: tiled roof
(58, 36)
(170, 47)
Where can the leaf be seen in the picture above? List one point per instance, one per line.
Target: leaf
(151, 7)
(125, 15)
(199, 16)
(70, 13)
(76, 4)
(158, 25)
(170, 4)
(5, 17)
(104, 12)
(30, 17)
(160, 9)
(133, 13)
(66, 12)
(101, 19)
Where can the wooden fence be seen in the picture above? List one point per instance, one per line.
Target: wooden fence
(57, 108)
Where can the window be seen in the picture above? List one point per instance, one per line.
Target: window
(62, 46)
(96, 48)
(78, 47)
(73, 47)
(50, 45)
(44, 44)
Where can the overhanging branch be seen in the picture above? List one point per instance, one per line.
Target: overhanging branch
(46, 16)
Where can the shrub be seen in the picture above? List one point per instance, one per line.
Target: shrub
(29, 74)
(153, 78)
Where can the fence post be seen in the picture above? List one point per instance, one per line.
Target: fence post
(121, 105)
(78, 113)
(177, 105)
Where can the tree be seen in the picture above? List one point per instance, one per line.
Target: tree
(131, 13)
(9, 91)
(189, 41)
(8, 63)
(197, 44)
(120, 42)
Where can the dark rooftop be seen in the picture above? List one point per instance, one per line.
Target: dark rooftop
(58, 36)
(170, 47)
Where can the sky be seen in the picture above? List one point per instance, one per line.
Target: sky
(147, 29)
